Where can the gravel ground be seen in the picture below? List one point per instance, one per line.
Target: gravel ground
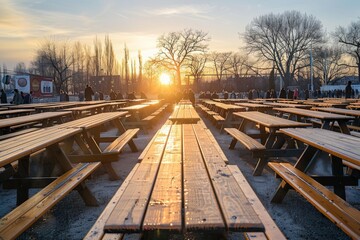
(71, 219)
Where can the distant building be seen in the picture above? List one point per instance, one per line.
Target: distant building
(105, 83)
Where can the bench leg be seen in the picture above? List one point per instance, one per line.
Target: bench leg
(132, 146)
(233, 143)
(260, 166)
(110, 170)
(86, 195)
(337, 170)
(280, 192)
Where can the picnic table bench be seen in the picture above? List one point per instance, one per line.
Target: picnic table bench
(54, 188)
(327, 119)
(183, 184)
(342, 149)
(271, 141)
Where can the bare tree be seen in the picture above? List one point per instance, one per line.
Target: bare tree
(284, 39)
(109, 57)
(239, 65)
(140, 68)
(350, 38)
(328, 63)
(55, 53)
(176, 48)
(98, 55)
(196, 66)
(221, 61)
(126, 67)
(20, 68)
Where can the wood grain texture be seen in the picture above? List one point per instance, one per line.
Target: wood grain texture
(129, 211)
(237, 211)
(201, 209)
(164, 209)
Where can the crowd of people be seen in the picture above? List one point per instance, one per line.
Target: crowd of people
(18, 98)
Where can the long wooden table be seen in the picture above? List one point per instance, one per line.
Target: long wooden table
(182, 184)
(15, 112)
(326, 118)
(184, 113)
(342, 111)
(46, 119)
(341, 147)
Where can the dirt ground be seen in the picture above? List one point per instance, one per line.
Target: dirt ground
(71, 219)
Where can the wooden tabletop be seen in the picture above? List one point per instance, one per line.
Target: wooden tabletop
(350, 112)
(285, 105)
(135, 107)
(16, 112)
(14, 148)
(254, 105)
(8, 122)
(182, 184)
(87, 107)
(269, 121)
(338, 144)
(184, 113)
(314, 114)
(228, 107)
(92, 121)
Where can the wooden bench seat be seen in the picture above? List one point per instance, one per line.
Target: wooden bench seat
(271, 229)
(17, 133)
(346, 217)
(256, 148)
(22, 217)
(249, 142)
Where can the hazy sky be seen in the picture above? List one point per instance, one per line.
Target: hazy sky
(138, 23)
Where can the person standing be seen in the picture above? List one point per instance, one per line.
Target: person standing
(88, 93)
(17, 99)
(3, 96)
(348, 90)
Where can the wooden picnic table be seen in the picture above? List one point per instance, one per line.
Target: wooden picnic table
(15, 112)
(255, 106)
(310, 174)
(184, 113)
(348, 112)
(137, 112)
(78, 112)
(326, 118)
(271, 141)
(56, 106)
(31, 105)
(46, 119)
(92, 127)
(287, 105)
(171, 190)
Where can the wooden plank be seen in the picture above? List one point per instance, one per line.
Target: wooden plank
(201, 209)
(250, 143)
(129, 211)
(12, 225)
(164, 209)
(97, 230)
(271, 229)
(333, 207)
(237, 211)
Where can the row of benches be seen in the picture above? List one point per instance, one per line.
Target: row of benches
(73, 178)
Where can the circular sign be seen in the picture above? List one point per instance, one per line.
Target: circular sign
(35, 85)
(22, 82)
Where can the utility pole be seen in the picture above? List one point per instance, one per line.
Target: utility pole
(311, 71)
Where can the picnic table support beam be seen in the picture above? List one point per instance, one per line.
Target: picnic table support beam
(121, 130)
(23, 172)
(301, 164)
(96, 150)
(337, 171)
(57, 153)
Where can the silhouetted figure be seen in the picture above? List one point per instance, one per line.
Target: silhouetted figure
(282, 93)
(3, 96)
(348, 90)
(88, 93)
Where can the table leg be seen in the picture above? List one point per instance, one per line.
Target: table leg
(23, 172)
(94, 147)
(343, 127)
(301, 164)
(338, 172)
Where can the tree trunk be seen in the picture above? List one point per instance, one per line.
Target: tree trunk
(178, 76)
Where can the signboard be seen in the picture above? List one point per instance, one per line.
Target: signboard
(40, 86)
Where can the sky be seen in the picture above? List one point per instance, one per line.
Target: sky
(138, 23)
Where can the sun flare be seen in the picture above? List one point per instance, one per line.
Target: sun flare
(165, 79)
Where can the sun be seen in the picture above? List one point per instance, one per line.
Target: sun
(165, 79)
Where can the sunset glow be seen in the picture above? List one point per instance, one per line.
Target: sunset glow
(165, 79)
